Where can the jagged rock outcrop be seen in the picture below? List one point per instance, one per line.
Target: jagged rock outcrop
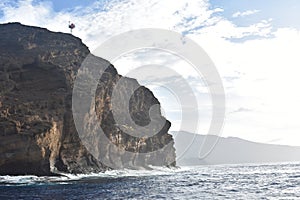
(37, 131)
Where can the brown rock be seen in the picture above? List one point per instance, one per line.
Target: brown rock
(37, 131)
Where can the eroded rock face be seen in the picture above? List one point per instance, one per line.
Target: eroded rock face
(37, 131)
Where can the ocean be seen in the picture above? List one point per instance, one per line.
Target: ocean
(261, 181)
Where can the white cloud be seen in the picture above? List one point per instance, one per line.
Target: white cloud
(265, 69)
(28, 13)
(268, 70)
(246, 13)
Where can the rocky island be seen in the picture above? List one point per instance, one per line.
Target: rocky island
(37, 132)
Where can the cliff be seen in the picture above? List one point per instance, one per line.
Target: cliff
(37, 131)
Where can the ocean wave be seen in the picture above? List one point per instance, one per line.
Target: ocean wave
(65, 178)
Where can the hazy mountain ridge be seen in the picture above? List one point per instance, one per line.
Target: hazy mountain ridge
(229, 150)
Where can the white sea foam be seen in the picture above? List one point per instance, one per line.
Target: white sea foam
(65, 178)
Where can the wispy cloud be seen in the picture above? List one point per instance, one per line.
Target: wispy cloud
(245, 13)
(241, 110)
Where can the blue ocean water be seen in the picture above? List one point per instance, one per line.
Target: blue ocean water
(264, 181)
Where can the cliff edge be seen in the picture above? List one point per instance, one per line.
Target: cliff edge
(37, 131)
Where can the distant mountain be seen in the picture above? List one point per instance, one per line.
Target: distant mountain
(228, 150)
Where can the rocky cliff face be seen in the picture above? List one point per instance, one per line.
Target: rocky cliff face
(37, 131)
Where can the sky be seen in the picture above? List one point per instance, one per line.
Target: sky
(254, 44)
